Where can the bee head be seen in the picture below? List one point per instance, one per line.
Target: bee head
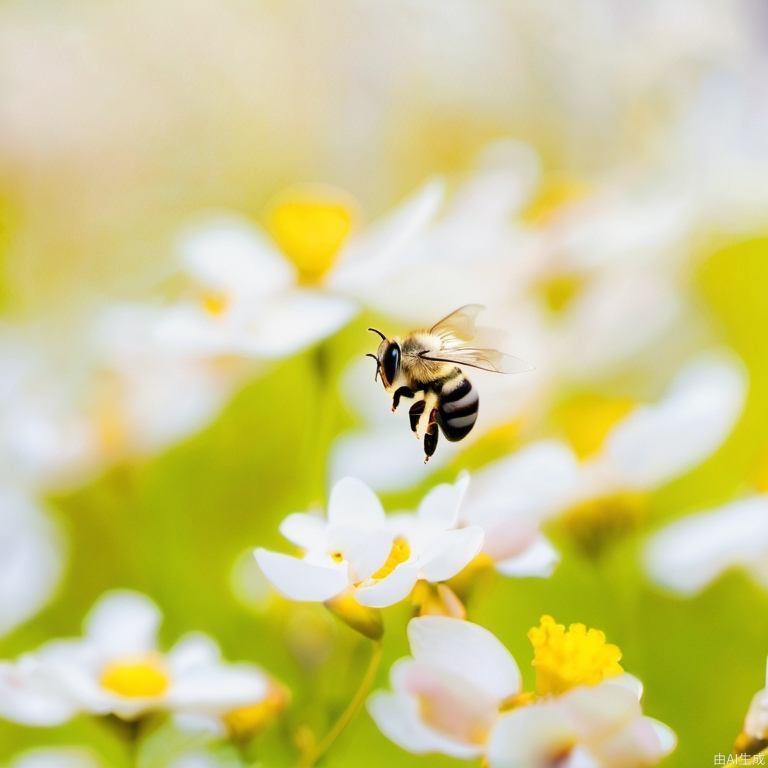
(387, 359)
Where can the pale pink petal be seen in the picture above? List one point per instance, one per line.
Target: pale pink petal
(397, 716)
(460, 646)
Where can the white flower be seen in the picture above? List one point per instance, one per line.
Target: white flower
(117, 668)
(690, 553)
(143, 396)
(31, 558)
(266, 299)
(250, 302)
(508, 499)
(44, 440)
(460, 694)
(30, 695)
(588, 727)
(447, 697)
(659, 441)
(624, 460)
(358, 549)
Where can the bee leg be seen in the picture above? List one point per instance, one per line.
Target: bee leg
(401, 392)
(430, 403)
(430, 438)
(415, 413)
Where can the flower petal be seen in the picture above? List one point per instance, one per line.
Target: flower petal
(460, 646)
(294, 321)
(30, 696)
(657, 442)
(228, 253)
(691, 552)
(533, 483)
(365, 551)
(440, 507)
(530, 736)
(389, 590)
(301, 580)
(397, 717)
(217, 688)
(304, 530)
(539, 559)
(123, 622)
(193, 650)
(354, 504)
(31, 559)
(449, 552)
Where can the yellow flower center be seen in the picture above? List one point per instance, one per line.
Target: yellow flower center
(399, 553)
(564, 659)
(215, 304)
(588, 421)
(595, 523)
(554, 195)
(136, 676)
(310, 225)
(559, 290)
(249, 720)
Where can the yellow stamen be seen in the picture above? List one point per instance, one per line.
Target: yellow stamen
(248, 721)
(595, 523)
(558, 291)
(136, 676)
(399, 553)
(310, 225)
(337, 556)
(564, 659)
(215, 304)
(588, 421)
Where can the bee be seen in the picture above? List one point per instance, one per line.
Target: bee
(427, 365)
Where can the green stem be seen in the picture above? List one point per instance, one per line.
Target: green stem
(346, 717)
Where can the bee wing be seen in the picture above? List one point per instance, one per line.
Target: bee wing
(460, 323)
(457, 330)
(477, 357)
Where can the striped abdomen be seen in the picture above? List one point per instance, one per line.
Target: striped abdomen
(457, 411)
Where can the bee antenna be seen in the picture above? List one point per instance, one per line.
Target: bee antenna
(379, 332)
(376, 375)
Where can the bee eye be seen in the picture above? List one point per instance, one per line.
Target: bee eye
(390, 362)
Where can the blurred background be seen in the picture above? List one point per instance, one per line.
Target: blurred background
(204, 205)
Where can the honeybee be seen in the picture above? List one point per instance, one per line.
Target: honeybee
(425, 365)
